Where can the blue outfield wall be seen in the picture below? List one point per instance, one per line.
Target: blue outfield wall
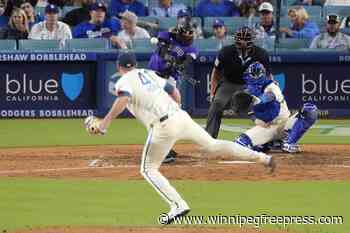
(76, 84)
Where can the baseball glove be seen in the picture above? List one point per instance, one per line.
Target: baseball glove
(242, 101)
(92, 126)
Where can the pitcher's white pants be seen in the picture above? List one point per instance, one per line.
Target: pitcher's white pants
(180, 126)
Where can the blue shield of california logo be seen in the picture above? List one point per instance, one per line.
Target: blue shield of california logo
(281, 80)
(72, 85)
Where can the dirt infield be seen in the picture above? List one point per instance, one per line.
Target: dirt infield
(317, 162)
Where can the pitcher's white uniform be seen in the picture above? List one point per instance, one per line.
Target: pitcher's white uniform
(166, 123)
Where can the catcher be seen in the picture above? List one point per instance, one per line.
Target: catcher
(270, 113)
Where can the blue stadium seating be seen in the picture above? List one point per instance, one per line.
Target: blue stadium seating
(67, 9)
(291, 43)
(40, 45)
(8, 45)
(143, 45)
(87, 44)
(207, 44)
(343, 11)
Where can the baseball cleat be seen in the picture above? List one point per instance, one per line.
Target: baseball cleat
(271, 164)
(177, 213)
(290, 148)
(171, 157)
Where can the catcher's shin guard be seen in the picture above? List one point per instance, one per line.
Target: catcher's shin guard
(305, 119)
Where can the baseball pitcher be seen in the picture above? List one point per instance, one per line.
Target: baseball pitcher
(271, 114)
(153, 101)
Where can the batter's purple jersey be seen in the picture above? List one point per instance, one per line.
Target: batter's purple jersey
(178, 51)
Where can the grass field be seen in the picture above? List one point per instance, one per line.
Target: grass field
(24, 133)
(43, 202)
(35, 202)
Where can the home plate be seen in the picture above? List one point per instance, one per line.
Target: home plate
(235, 162)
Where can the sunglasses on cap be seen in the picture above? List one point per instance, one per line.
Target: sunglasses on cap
(333, 19)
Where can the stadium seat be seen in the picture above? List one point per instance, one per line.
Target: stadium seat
(339, 10)
(314, 11)
(41, 45)
(291, 43)
(166, 22)
(87, 44)
(67, 9)
(143, 45)
(289, 2)
(188, 3)
(8, 45)
(40, 10)
(207, 44)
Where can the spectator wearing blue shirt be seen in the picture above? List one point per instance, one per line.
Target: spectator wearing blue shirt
(30, 12)
(119, 6)
(216, 8)
(3, 18)
(302, 27)
(99, 26)
(167, 8)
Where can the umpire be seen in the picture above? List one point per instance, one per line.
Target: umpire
(226, 77)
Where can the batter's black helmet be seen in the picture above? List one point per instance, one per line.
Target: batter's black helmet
(185, 30)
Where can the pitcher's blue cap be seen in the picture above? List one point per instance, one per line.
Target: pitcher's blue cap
(127, 59)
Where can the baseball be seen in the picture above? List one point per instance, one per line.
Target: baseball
(154, 40)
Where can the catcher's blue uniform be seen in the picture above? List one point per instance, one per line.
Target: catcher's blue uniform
(271, 114)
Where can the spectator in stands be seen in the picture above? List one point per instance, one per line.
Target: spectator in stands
(99, 26)
(17, 28)
(216, 8)
(248, 8)
(265, 30)
(182, 15)
(119, 6)
(4, 19)
(130, 30)
(332, 38)
(301, 26)
(167, 8)
(337, 3)
(30, 12)
(266, 24)
(220, 32)
(79, 15)
(51, 28)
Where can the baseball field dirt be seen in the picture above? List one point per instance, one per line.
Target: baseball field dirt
(121, 162)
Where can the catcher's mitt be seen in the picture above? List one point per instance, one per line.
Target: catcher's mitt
(242, 101)
(92, 126)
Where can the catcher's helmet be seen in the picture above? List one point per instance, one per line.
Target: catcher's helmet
(255, 74)
(185, 30)
(244, 38)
